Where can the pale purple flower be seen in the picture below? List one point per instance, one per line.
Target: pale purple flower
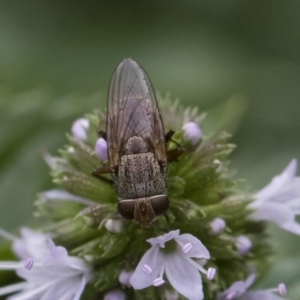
(115, 295)
(243, 244)
(49, 272)
(238, 291)
(101, 149)
(217, 226)
(192, 132)
(171, 254)
(79, 128)
(279, 201)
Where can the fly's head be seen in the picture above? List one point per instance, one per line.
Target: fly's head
(144, 210)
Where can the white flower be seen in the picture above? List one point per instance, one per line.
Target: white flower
(101, 149)
(192, 132)
(238, 291)
(279, 201)
(172, 254)
(49, 272)
(79, 128)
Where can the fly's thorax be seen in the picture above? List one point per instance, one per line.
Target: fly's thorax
(140, 175)
(135, 145)
(143, 210)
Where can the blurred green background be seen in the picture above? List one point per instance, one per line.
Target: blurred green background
(239, 60)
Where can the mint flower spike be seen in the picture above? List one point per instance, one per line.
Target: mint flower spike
(238, 291)
(181, 270)
(279, 201)
(48, 270)
(79, 128)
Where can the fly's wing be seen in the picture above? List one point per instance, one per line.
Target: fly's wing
(132, 110)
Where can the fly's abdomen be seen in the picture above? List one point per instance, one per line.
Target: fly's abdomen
(140, 176)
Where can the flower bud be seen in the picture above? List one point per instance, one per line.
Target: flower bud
(192, 132)
(282, 289)
(79, 129)
(113, 226)
(124, 277)
(217, 226)
(101, 149)
(243, 244)
(114, 295)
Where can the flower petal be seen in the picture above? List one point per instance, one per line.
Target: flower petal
(152, 258)
(65, 196)
(31, 244)
(275, 212)
(250, 280)
(287, 193)
(11, 265)
(7, 235)
(292, 226)
(33, 293)
(239, 288)
(278, 181)
(260, 295)
(184, 277)
(61, 290)
(162, 239)
(80, 287)
(12, 288)
(278, 213)
(198, 250)
(58, 252)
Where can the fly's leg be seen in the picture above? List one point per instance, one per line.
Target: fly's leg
(173, 154)
(103, 170)
(169, 135)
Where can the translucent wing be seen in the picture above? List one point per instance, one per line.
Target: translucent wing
(132, 110)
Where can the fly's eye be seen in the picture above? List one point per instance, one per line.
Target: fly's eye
(126, 209)
(160, 204)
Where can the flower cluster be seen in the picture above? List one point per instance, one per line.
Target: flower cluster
(48, 271)
(211, 244)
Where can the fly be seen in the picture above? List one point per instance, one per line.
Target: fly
(137, 153)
